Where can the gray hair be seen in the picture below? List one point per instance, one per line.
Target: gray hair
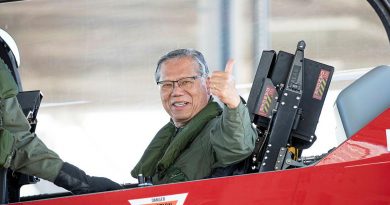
(194, 54)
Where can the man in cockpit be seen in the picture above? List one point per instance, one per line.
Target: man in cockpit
(201, 135)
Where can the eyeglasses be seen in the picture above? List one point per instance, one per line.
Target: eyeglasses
(185, 83)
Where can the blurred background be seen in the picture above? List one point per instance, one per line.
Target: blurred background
(94, 62)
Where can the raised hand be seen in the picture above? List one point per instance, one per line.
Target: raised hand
(223, 86)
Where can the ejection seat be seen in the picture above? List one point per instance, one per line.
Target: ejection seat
(362, 101)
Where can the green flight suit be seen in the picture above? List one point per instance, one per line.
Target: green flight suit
(28, 154)
(223, 139)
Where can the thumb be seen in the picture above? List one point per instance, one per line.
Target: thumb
(229, 66)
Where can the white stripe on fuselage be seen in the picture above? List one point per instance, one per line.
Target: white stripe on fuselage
(388, 139)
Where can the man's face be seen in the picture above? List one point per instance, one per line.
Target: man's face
(183, 103)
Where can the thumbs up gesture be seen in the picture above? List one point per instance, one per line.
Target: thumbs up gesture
(223, 86)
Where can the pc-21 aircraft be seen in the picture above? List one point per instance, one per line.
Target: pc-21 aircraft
(285, 102)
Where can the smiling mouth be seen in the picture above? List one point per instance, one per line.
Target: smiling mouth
(179, 104)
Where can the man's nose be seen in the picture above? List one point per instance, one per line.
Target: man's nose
(176, 88)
